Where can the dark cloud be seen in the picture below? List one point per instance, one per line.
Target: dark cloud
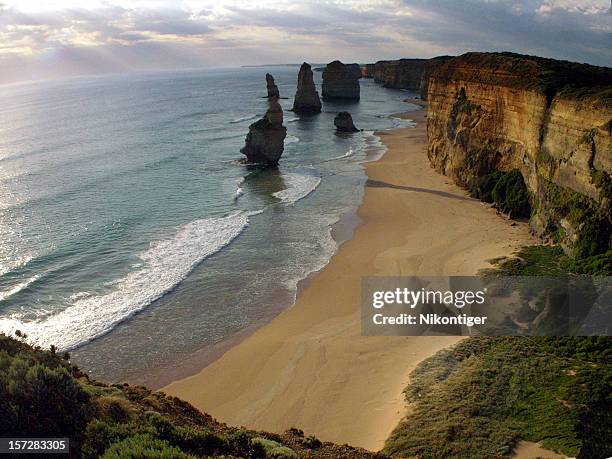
(118, 38)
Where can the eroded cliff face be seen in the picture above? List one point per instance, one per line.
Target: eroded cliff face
(404, 73)
(399, 74)
(550, 120)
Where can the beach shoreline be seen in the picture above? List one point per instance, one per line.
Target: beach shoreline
(309, 367)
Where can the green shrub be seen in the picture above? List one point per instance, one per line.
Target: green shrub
(144, 446)
(38, 401)
(546, 260)
(583, 213)
(265, 448)
(603, 183)
(199, 442)
(312, 442)
(507, 191)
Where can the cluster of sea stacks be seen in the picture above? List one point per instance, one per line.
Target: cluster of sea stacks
(265, 141)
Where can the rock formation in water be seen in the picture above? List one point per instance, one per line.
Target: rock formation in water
(404, 73)
(341, 81)
(550, 120)
(265, 141)
(306, 97)
(272, 88)
(344, 122)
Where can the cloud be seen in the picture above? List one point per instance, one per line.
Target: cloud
(138, 34)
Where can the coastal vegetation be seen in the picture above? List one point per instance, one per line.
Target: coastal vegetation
(43, 395)
(479, 398)
(549, 260)
(507, 191)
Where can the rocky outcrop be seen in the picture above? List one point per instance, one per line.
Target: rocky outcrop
(548, 119)
(341, 81)
(272, 88)
(344, 122)
(265, 141)
(306, 97)
(410, 74)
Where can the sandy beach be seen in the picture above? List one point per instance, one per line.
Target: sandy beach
(310, 368)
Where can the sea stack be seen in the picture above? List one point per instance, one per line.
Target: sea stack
(265, 141)
(344, 122)
(272, 88)
(341, 81)
(306, 97)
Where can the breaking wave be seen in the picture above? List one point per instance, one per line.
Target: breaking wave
(165, 264)
(298, 187)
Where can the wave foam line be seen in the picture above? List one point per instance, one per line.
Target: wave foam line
(298, 187)
(166, 264)
(242, 119)
(350, 152)
(291, 139)
(18, 288)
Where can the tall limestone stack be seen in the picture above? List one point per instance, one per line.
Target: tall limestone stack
(265, 141)
(341, 81)
(272, 88)
(306, 97)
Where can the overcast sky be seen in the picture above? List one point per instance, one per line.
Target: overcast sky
(56, 38)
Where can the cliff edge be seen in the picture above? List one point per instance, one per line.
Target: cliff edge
(551, 120)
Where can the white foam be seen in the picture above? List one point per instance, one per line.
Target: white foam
(373, 146)
(327, 247)
(402, 122)
(243, 119)
(350, 152)
(291, 139)
(292, 120)
(298, 187)
(239, 190)
(18, 288)
(166, 263)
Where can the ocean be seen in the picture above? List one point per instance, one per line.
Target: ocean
(130, 234)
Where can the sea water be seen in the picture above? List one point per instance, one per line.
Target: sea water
(131, 235)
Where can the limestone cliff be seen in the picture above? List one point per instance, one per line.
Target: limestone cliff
(306, 97)
(341, 81)
(265, 142)
(399, 74)
(550, 120)
(404, 73)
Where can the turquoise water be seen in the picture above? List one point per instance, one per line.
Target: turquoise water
(129, 233)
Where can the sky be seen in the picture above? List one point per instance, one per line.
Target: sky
(48, 39)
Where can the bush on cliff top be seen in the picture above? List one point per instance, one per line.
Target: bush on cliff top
(550, 76)
(42, 395)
